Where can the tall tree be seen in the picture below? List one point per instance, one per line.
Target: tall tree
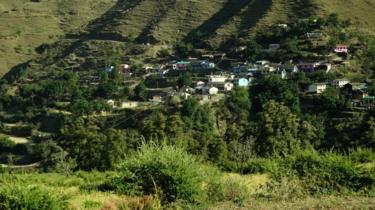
(277, 89)
(278, 130)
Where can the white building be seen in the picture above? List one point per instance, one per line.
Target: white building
(317, 88)
(339, 83)
(228, 86)
(217, 79)
(210, 90)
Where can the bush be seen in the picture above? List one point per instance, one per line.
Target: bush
(261, 165)
(165, 171)
(18, 197)
(329, 173)
(230, 187)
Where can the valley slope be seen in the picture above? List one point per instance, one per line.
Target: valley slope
(25, 24)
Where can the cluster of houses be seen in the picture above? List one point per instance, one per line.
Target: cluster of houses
(357, 92)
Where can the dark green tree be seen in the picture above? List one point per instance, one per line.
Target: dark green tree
(277, 89)
(278, 131)
(140, 92)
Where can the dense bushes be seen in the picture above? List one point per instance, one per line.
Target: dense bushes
(330, 173)
(165, 171)
(18, 197)
(317, 174)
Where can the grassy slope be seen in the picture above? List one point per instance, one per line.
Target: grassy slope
(361, 12)
(25, 25)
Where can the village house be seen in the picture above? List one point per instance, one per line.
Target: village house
(262, 63)
(317, 88)
(282, 25)
(310, 67)
(111, 103)
(200, 83)
(157, 99)
(314, 35)
(289, 68)
(273, 47)
(126, 70)
(217, 79)
(201, 65)
(210, 90)
(355, 91)
(243, 82)
(182, 65)
(246, 69)
(110, 68)
(341, 49)
(228, 86)
(240, 48)
(339, 83)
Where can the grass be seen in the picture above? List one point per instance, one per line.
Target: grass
(80, 198)
(25, 25)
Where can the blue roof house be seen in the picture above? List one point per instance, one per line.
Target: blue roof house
(243, 82)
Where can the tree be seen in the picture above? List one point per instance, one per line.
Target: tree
(106, 89)
(91, 147)
(291, 45)
(185, 80)
(253, 50)
(153, 126)
(140, 91)
(278, 130)
(183, 49)
(368, 135)
(277, 89)
(331, 100)
(174, 129)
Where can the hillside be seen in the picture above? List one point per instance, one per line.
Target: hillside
(25, 24)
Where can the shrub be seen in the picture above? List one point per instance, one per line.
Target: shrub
(230, 187)
(330, 173)
(18, 197)
(166, 171)
(261, 165)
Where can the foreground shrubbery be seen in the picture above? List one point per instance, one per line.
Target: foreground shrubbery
(311, 173)
(19, 197)
(161, 176)
(166, 171)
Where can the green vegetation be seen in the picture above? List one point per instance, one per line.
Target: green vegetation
(100, 119)
(16, 196)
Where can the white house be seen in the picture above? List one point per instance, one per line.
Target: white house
(210, 90)
(228, 86)
(317, 88)
(111, 103)
(217, 79)
(339, 83)
(200, 84)
(262, 63)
